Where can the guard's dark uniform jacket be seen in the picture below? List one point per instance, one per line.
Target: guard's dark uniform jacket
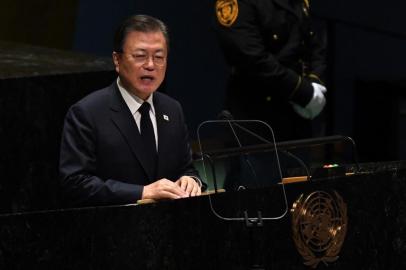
(274, 54)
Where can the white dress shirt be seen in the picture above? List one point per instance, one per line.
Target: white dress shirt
(134, 103)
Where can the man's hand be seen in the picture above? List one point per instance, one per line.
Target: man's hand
(164, 189)
(189, 185)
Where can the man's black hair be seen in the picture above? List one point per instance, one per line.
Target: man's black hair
(138, 23)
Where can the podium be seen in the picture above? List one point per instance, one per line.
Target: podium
(185, 234)
(37, 86)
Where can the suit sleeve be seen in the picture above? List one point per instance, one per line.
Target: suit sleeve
(244, 48)
(79, 183)
(317, 42)
(187, 167)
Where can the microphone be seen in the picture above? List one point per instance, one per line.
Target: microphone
(226, 115)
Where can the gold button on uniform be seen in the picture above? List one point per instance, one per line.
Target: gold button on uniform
(275, 37)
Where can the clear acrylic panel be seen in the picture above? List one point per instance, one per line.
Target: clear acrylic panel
(240, 156)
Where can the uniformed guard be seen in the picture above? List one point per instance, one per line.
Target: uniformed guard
(277, 63)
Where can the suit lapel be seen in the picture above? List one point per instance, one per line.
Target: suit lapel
(163, 125)
(124, 121)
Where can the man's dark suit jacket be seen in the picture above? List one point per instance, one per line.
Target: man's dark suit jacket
(102, 160)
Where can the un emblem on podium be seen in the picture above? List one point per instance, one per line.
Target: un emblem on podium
(319, 226)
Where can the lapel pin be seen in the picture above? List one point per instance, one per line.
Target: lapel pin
(166, 117)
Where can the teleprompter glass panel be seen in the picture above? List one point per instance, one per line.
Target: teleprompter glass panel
(240, 157)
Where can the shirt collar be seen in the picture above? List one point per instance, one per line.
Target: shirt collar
(133, 102)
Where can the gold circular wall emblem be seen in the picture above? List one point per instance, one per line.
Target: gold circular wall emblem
(226, 11)
(319, 226)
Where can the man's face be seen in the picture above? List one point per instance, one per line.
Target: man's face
(142, 64)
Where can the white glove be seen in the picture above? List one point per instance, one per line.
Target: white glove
(316, 104)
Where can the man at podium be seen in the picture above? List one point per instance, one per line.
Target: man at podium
(127, 141)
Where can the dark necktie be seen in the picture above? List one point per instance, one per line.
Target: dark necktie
(148, 139)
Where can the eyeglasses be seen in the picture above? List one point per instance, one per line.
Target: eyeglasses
(143, 58)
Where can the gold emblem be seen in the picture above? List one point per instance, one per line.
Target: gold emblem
(306, 4)
(319, 226)
(306, 7)
(226, 11)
